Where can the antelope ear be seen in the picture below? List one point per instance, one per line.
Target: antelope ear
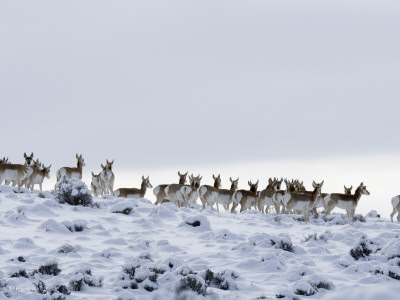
(142, 177)
(230, 178)
(270, 180)
(186, 173)
(32, 154)
(237, 179)
(351, 187)
(322, 182)
(24, 154)
(314, 184)
(49, 167)
(113, 161)
(257, 182)
(362, 183)
(148, 177)
(214, 177)
(102, 166)
(179, 173)
(92, 174)
(77, 155)
(249, 183)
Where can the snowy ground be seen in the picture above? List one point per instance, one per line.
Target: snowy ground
(151, 251)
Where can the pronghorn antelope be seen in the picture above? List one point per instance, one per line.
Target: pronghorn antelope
(247, 199)
(173, 192)
(209, 194)
(291, 187)
(266, 196)
(96, 185)
(225, 196)
(396, 208)
(159, 192)
(107, 178)
(70, 171)
(13, 172)
(190, 192)
(134, 192)
(302, 202)
(4, 160)
(29, 162)
(37, 177)
(345, 201)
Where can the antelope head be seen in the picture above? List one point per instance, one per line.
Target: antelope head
(81, 161)
(348, 190)
(46, 171)
(146, 182)
(217, 181)
(182, 177)
(277, 185)
(109, 164)
(318, 186)
(363, 189)
(253, 186)
(234, 183)
(28, 159)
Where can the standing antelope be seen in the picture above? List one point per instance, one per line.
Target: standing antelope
(29, 163)
(225, 197)
(247, 199)
(303, 202)
(173, 193)
(159, 192)
(107, 177)
(396, 208)
(209, 194)
(345, 201)
(96, 185)
(37, 177)
(266, 196)
(134, 192)
(13, 172)
(72, 172)
(189, 193)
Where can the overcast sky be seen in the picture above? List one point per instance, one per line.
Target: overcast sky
(155, 84)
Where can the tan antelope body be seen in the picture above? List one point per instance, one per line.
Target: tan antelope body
(38, 176)
(225, 197)
(173, 192)
(72, 172)
(345, 201)
(97, 185)
(13, 172)
(29, 163)
(107, 178)
(302, 202)
(266, 196)
(396, 208)
(246, 198)
(209, 194)
(159, 190)
(134, 192)
(189, 193)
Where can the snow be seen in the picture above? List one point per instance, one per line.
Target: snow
(131, 249)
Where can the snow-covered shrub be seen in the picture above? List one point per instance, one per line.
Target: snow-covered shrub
(66, 248)
(325, 236)
(83, 276)
(282, 242)
(19, 272)
(124, 207)
(373, 214)
(312, 286)
(40, 287)
(363, 249)
(222, 280)
(359, 218)
(198, 223)
(75, 226)
(194, 283)
(73, 191)
(50, 268)
(57, 292)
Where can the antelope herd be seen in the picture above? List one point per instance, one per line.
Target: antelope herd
(294, 198)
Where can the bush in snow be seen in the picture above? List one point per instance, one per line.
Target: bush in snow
(319, 237)
(363, 249)
(50, 268)
(359, 218)
(222, 280)
(57, 291)
(83, 277)
(20, 272)
(311, 287)
(66, 248)
(73, 191)
(282, 242)
(74, 227)
(193, 283)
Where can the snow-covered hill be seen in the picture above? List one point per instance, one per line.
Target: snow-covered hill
(131, 249)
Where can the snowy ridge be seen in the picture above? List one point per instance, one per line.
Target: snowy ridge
(132, 249)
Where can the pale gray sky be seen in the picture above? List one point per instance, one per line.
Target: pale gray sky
(156, 84)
